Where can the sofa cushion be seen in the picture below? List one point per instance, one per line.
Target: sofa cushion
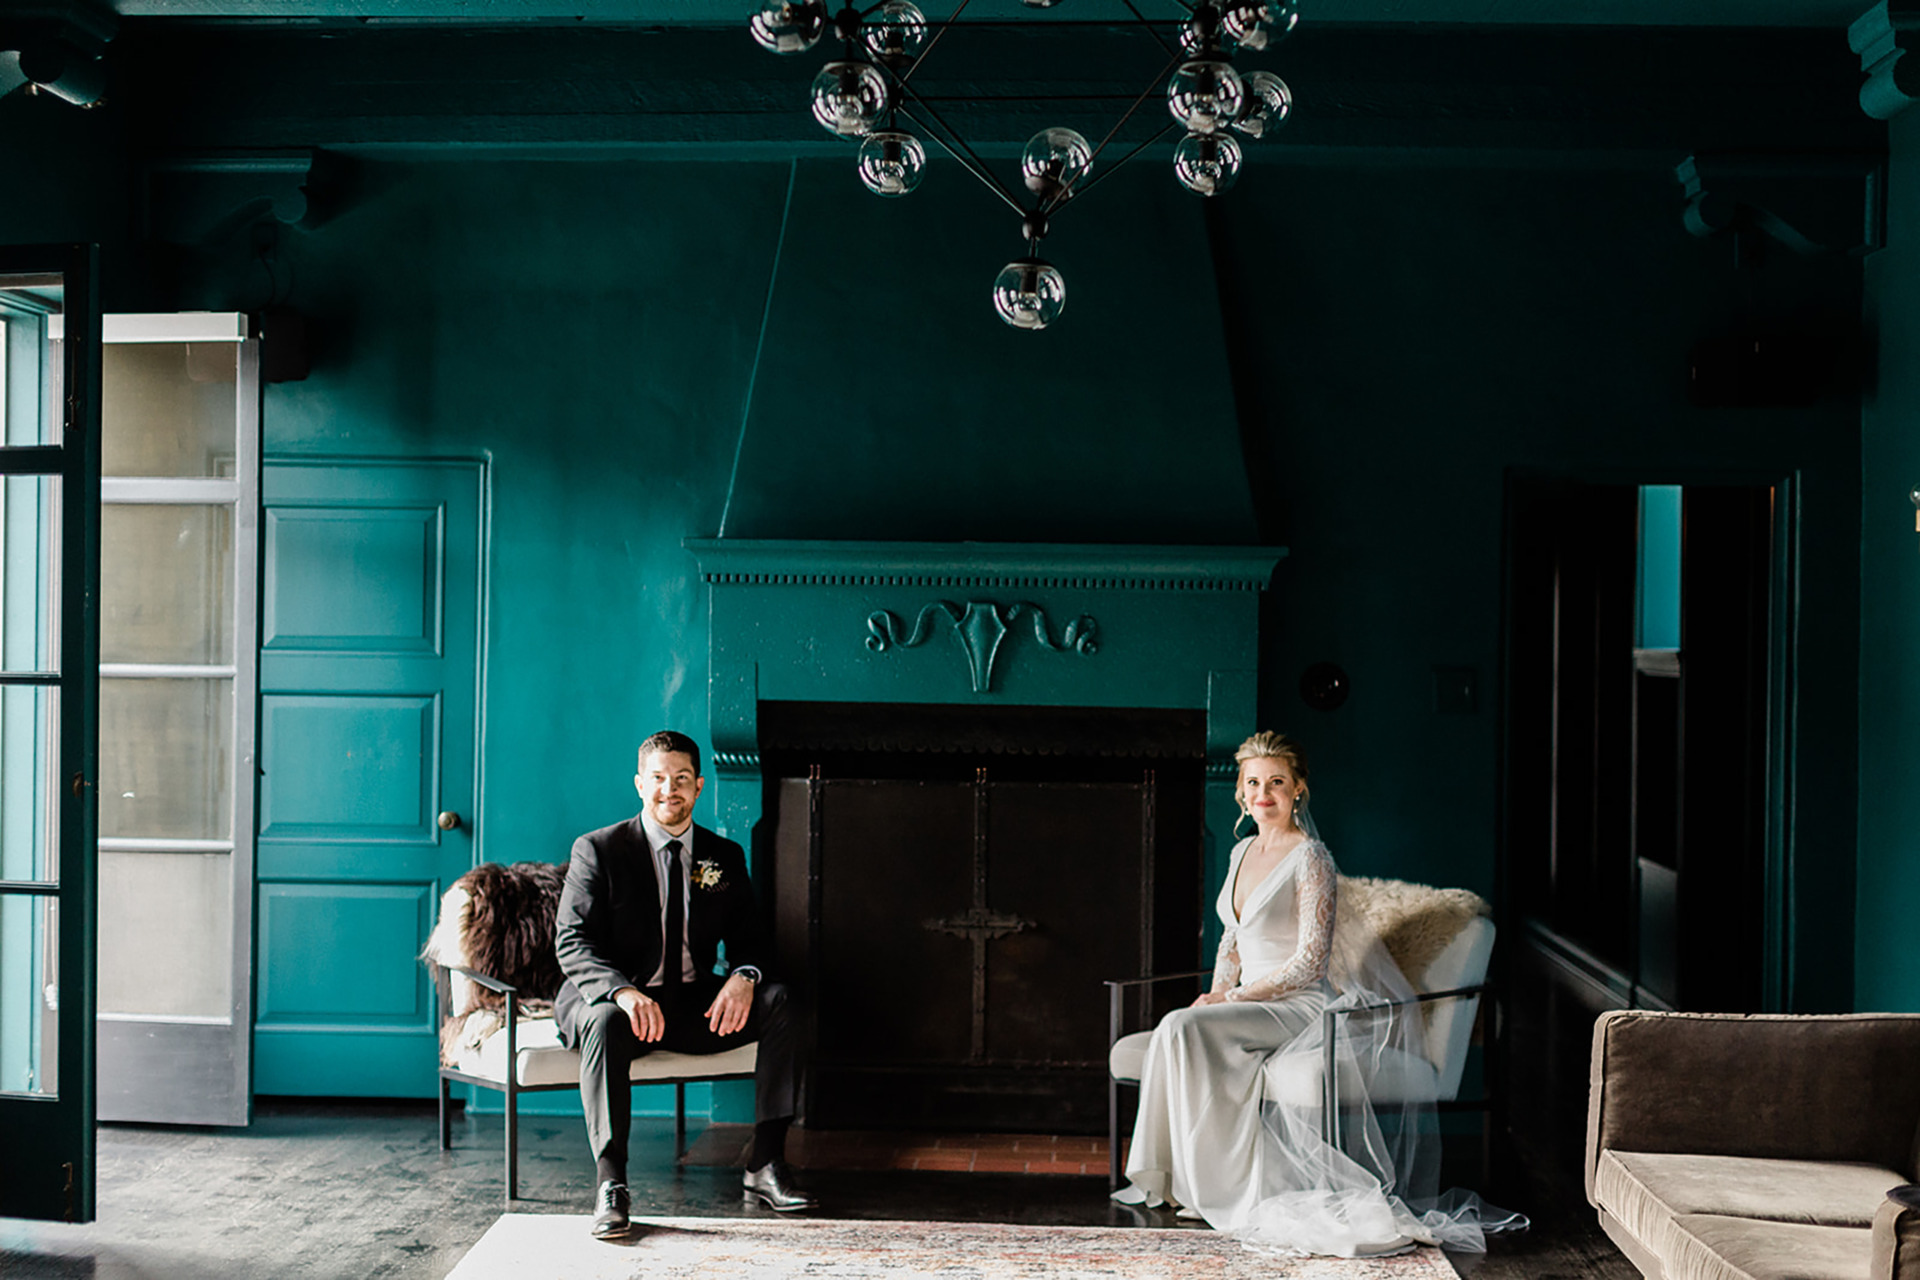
(543, 1062)
(1718, 1247)
(1635, 1186)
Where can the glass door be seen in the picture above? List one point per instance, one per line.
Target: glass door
(179, 516)
(49, 564)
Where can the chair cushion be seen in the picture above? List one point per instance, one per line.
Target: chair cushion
(1295, 1080)
(541, 1060)
(1689, 1210)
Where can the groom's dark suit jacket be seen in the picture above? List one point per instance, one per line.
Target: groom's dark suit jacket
(607, 932)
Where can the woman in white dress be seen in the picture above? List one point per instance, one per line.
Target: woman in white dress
(1215, 1135)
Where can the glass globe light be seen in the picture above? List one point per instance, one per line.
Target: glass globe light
(849, 98)
(892, 162)
(1269, 103)
(895, 33)
(787, 27)
(1040, 4)
(1256, 24)
(1205, 94)
(1055, 159)
(1029, 293)
(1207, 163)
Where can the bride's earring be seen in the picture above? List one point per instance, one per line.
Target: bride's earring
(1237, 821)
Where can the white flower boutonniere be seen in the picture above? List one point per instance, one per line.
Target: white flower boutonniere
(706, 875)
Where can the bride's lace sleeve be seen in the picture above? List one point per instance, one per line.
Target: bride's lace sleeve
(1318, 888)
(1226, 964)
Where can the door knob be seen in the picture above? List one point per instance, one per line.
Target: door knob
(449, 820)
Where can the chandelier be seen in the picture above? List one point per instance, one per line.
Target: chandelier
(864, 94)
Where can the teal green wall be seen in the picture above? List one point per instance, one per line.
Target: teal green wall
(1887, 941)
(1422, 329)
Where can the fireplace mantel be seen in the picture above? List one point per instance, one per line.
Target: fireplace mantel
(979, 623)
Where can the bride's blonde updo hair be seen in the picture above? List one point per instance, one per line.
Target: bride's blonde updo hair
(1268, 745)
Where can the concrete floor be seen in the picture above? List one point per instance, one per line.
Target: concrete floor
(361, 1190)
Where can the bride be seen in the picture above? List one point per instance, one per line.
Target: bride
(1210, 1135)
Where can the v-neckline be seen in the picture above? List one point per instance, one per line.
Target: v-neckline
(1240, 913)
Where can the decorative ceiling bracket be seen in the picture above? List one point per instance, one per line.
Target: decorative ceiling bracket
(191, 199)
(1881, 37)
(1814, 204)
(980, 627)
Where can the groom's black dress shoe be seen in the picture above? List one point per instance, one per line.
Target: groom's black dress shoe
(772, 1185)
(610, 1212)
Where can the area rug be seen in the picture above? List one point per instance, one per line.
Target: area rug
(523, 1246)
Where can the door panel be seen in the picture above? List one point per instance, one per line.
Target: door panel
(369, 659)
(179, 520)
(49, 639)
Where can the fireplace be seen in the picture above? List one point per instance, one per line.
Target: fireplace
(971, 874)
(978, 779)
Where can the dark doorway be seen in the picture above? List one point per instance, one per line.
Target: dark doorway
(1646, 724)
(955, 882)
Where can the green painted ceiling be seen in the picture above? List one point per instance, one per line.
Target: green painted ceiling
(1829, 14)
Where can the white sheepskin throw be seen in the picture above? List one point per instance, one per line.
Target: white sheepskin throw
(1415, 921)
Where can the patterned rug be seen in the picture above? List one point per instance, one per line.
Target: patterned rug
(523, 1246)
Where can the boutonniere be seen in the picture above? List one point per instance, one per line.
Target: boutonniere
(706, 875)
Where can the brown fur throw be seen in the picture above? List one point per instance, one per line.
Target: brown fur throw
(1415, 921)
(498, 920)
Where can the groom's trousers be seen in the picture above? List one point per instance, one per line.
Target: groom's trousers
(604, 1037)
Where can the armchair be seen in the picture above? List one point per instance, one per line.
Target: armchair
(1442, 939)
(497, 1029)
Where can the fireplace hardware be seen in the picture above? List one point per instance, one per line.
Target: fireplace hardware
(859, 96)
(978, 924)
(980, 628)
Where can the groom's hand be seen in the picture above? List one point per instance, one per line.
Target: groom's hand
(729, 1010)
(644, 1014)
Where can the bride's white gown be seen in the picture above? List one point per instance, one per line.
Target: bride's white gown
(1213, 1137)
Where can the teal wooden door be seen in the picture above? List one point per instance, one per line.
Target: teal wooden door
(369, 662)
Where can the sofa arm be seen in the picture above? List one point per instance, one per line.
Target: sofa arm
(1780, 1086)
(1896, 1236)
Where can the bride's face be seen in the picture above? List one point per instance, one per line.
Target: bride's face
(1269, 790)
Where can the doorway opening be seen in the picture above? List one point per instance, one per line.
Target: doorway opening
(1647, 757)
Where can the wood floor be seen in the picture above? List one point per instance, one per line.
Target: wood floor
(360, 1190)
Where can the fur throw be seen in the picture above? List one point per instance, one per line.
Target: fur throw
(1414, 921)
(498, 920)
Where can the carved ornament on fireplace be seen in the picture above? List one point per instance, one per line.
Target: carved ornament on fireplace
(980, 627)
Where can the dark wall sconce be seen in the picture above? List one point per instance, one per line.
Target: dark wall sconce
(1324, 686)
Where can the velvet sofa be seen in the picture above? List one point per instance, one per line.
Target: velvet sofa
(1758, 1147)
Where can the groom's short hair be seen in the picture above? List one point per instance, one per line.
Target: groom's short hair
(669, 740)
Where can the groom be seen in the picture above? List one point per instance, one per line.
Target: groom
(645, 906)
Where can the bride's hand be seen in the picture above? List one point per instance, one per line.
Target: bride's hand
(1208, 997)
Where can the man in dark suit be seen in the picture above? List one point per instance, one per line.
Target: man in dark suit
(646, 906)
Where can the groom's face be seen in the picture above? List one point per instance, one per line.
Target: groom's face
(668, 787)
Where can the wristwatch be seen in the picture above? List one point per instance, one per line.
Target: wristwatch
(750, 972)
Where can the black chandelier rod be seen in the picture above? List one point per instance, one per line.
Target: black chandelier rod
(1148, 25)
(1117, 126)
(920, 60)
(972, 163)
(1098, 178)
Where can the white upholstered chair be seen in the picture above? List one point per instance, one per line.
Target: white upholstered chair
(481, 1036)
(1442, 940)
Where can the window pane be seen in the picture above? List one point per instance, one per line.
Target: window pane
(166, 758)
(29, 994)
(169, 408)
(166, 583)
(29, 581)
(170, 950)
(29, 808)
(30, 407)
